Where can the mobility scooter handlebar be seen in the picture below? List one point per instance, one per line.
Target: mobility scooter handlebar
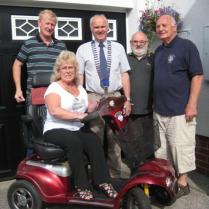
(111, 108)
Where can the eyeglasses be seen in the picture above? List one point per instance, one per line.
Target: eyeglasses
(139, 42)
(67, 68)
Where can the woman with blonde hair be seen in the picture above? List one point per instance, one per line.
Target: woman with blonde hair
(67, 102)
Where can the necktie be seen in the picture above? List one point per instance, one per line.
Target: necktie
(103, 66)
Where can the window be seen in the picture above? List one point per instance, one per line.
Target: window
(67, 28)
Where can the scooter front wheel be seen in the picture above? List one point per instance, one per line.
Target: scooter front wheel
(22, 194)
(136, 199)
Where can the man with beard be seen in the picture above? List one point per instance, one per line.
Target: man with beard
(141, 118)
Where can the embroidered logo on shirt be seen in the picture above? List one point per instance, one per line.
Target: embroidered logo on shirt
(171, 57)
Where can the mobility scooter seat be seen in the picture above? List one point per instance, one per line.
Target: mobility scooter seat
(33, 124)
(48, 151)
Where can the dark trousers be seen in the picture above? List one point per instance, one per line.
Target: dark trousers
(76, 144)
(139, 141)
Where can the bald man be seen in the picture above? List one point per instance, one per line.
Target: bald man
(178, 77)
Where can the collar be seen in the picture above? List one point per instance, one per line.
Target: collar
(171, 43)
(53, 41)
(104, 42)
(143, 57)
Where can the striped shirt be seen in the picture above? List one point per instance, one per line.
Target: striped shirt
(38, 56)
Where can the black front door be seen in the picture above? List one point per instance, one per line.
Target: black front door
(12, 149)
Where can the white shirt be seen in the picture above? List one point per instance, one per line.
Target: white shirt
(68, 102)
(119, 65)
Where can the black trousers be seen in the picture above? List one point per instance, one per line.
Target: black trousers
(76, 144)
(139, 141)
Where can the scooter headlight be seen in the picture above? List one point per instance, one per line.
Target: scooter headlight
(168, 181)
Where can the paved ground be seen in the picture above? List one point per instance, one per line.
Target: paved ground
(197, 199)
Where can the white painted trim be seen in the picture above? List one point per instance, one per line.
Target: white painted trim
(98, 5)
(14, 27)
(26, 19)
(129, 7)
(111, 3)
(78, 20)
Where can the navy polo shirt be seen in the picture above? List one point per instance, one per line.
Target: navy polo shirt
(174, 66)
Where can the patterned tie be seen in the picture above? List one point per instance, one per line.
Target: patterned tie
(103, 66)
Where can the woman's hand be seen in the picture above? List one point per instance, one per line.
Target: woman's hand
(80, 115)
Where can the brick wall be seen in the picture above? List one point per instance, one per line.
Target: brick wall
(202, 154)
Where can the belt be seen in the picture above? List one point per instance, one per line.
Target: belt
(114, 93)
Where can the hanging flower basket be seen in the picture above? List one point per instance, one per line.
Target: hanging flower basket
(151, 14)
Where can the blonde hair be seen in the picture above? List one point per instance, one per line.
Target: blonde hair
(64, 57)
(47, 12)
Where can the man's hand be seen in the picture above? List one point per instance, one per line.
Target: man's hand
(127, 108)
(190, 112)
(19, 96)
(93, 104)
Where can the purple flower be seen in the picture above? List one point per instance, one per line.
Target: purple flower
(150, 15)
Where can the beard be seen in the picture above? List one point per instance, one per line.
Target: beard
(140, 52)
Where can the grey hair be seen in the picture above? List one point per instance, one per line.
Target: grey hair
(173, 21)
(98, 15)
(141, 33)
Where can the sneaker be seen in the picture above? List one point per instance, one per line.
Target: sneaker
(182, 191)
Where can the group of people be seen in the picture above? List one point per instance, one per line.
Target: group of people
(161, 91)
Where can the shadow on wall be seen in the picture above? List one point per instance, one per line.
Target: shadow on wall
(196, 28)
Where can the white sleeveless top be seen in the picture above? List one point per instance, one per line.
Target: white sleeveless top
(68, 102)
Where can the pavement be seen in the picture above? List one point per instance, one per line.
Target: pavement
(197, 199)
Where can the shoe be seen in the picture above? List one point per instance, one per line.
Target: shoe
(182, 191)
(108, 190)
(84, 194)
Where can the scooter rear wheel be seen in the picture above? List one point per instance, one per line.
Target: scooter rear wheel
(136, 199)
(22, 194)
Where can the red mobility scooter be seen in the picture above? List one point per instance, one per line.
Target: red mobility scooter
(43, 178)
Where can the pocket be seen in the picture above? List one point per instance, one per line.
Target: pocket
(188, 157)
(192, 123)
